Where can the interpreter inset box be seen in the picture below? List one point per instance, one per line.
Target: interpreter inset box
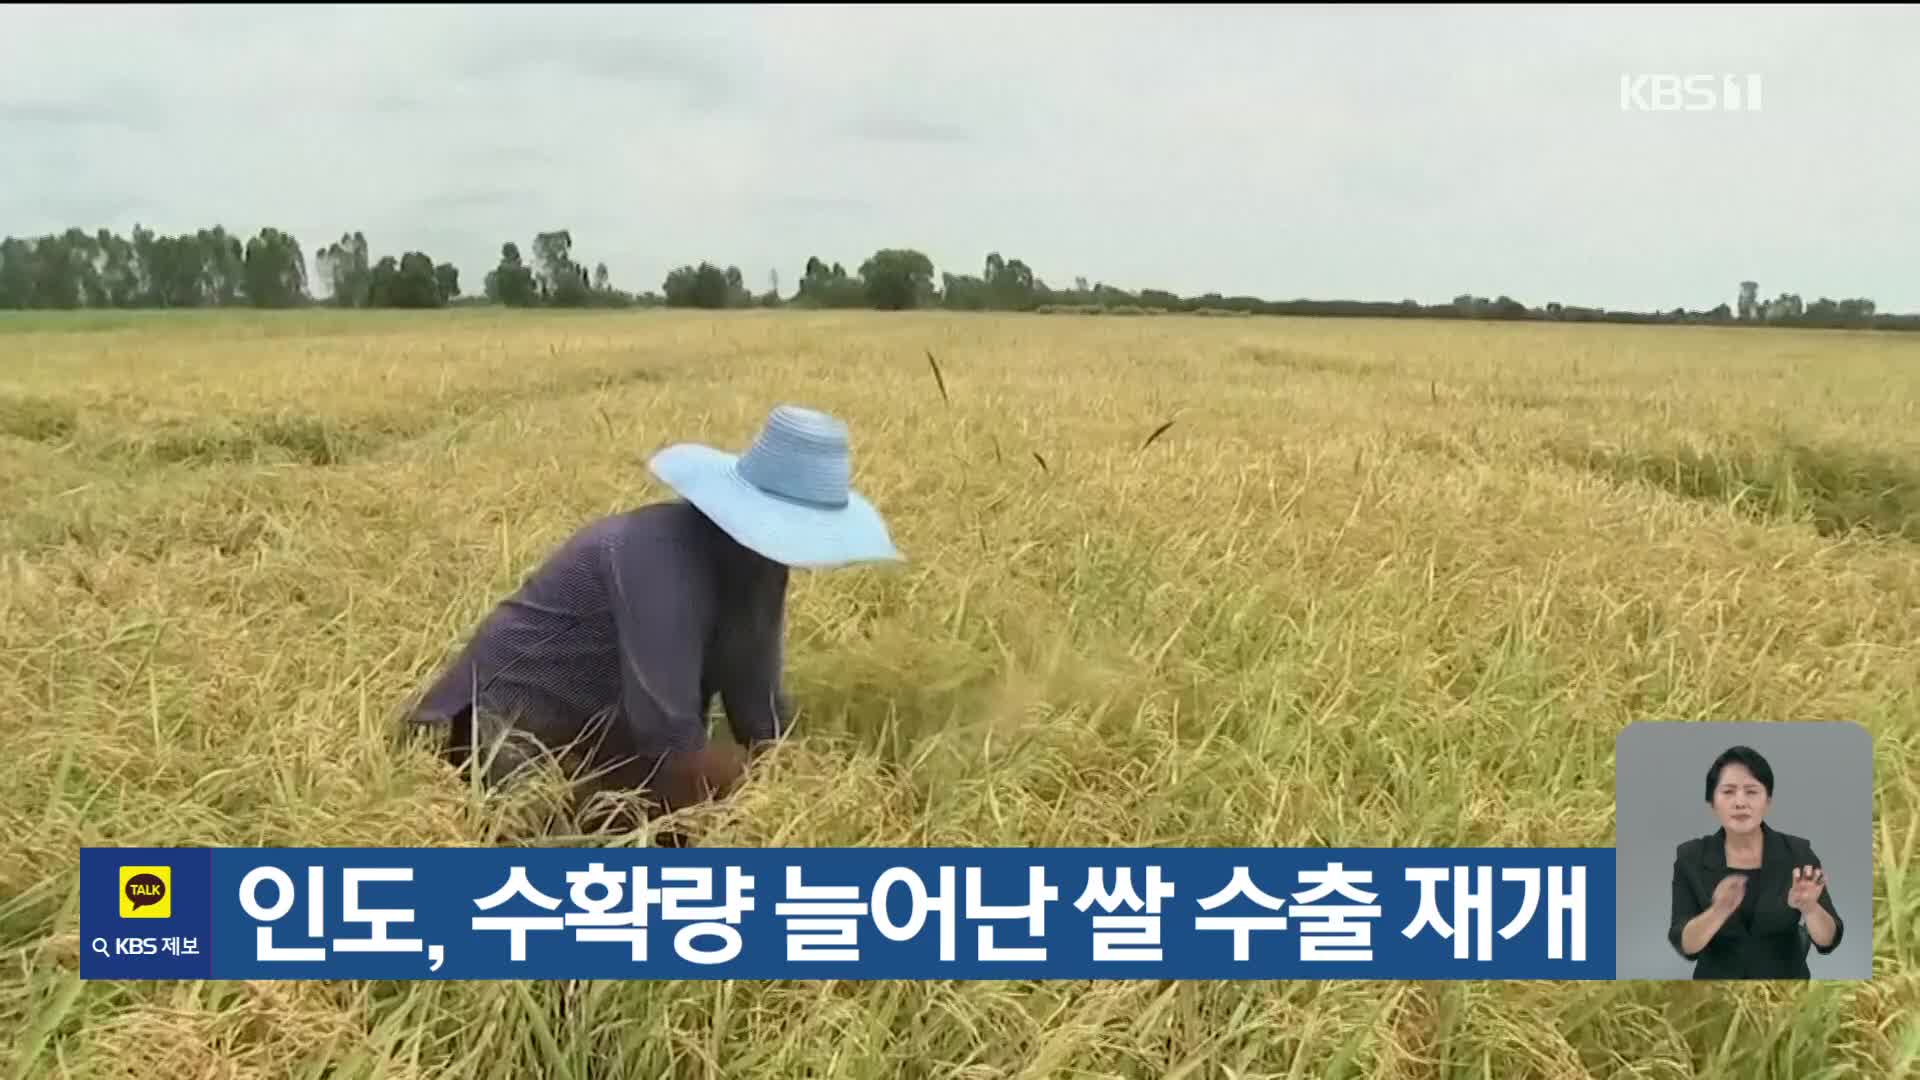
(1744, 851)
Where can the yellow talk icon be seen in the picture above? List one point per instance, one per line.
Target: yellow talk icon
(146, 892)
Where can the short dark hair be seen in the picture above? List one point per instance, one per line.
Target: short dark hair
(1740, 755)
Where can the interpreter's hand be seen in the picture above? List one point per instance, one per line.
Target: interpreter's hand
(1728, 894)
(1808, 883)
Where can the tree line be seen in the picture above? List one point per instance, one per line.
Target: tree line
(214, 268)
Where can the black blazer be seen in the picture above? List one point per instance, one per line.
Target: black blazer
(1764, 938)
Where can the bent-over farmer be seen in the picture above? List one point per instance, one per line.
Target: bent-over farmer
(609, 656)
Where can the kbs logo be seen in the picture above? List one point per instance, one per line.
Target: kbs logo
(146, 892)
(1689, 93)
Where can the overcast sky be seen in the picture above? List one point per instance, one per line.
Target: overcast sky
(1378, 153)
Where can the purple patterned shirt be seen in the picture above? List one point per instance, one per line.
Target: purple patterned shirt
(640, 618)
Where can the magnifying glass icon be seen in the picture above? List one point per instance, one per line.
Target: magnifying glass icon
(100, 946)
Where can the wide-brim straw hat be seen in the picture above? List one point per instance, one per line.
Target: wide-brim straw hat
(789, 497)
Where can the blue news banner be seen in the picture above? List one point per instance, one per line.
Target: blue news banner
(847, 913)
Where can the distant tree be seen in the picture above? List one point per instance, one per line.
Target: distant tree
(563, 282)
(1506, 307)
(512, 282)
(85, 259)
(16, 273)
(446, 280)
(120, 271)
(1783, 308)
(416, 285)
(1010, 284)
(964, 293)
(77, 268)
(1470, 306)
(828, 286)
(898, 279)
(381, 282)
(224, 264)
(176, 268)
(705, 286)
(275, 270)
(344, 267)
(56, 274)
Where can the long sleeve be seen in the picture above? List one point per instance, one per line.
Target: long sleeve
(1826, 904)
(662, 617)
(753, 695)
(1682, 910)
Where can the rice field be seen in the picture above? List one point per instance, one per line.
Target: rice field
(1379, 583)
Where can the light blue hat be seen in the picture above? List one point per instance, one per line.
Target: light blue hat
(788, 497)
